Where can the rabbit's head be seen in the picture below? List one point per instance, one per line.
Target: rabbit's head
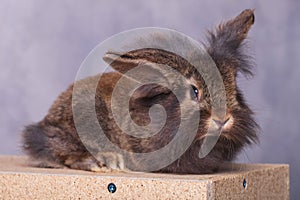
(226, 48)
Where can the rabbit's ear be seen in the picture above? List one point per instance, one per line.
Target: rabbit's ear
(150, 72)
(125, 62)
(226, 43)
(121, 62)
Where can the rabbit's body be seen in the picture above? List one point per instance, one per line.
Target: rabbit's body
(54, 142)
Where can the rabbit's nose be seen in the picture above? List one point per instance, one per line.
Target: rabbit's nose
(221, 123)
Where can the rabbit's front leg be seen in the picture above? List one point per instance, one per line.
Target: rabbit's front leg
(111, 160)
(104, 162)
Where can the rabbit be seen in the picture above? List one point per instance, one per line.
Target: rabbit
(54, 141)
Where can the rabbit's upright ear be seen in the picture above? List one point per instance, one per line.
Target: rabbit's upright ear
(225, 45)
(148, 72)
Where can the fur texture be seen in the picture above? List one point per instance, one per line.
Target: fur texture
(54, 142)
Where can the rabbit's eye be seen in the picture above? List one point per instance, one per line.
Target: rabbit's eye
(195, 92)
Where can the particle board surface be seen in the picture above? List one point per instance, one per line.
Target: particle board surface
(234, 181)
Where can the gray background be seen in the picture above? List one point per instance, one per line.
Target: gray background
(44, 42)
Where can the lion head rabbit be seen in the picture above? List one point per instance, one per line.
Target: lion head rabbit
(54, 141)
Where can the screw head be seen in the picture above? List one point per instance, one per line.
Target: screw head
(112, 188)
(244, 183)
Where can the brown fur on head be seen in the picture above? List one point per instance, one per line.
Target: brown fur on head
(55, 139)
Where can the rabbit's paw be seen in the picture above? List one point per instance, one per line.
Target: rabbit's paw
(110, 160)
(102, 162)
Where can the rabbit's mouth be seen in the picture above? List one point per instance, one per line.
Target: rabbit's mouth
(229, 123)
(223, 124)
(218, 127)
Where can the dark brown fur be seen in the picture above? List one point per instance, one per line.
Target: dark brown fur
(54, 142)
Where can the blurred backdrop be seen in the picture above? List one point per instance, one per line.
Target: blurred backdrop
(44, 42)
